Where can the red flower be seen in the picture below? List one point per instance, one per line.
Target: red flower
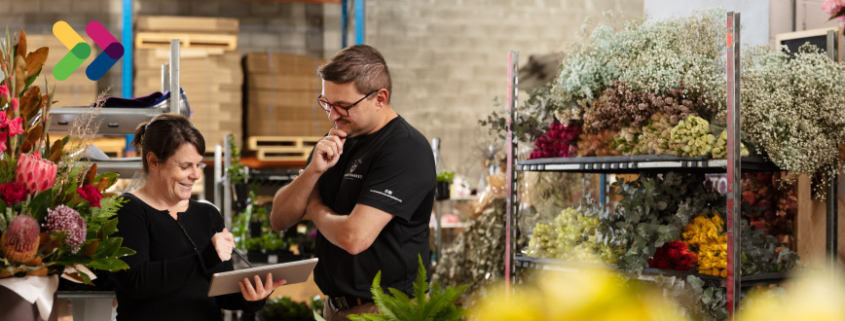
(13, 193)
(90, 194)
(673, 255)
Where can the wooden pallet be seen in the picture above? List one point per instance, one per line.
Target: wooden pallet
(161, 40)
(284, 154)
(282, 143)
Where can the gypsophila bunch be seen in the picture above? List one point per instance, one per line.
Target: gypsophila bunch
(692, 137)
(648, 56)
(792, 109)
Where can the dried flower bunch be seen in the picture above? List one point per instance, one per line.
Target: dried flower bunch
(793, 108)
(622, 107)
(651, 57)
(599, 144)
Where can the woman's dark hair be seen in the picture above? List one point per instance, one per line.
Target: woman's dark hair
(163, 135)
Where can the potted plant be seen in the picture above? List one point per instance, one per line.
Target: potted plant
(444, 179)
(285, 309)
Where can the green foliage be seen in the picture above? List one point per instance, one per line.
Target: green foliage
(652, 211)
(445, 177)
(237, 172)
(533, 115)
(99, 216)
(285, 308)
(441, 305)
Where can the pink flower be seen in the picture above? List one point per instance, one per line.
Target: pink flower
(15, 104)
(16, 126)
(12, 193)
(35, 173)
(4, 91)
(4, 136)
(66, 219)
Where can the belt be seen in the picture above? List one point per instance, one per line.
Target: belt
(348, 302)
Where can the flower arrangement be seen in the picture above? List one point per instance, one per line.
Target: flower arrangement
(673, 255)
(54, 217)
(770, 203)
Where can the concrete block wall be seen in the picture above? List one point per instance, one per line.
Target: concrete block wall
(448, 59)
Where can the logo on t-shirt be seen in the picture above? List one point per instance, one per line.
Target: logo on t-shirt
(351, 174)
(388, 193)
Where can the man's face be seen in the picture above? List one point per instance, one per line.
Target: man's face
(357, 120)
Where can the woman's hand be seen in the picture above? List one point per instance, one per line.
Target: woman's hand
(223, 242)
(261, 290)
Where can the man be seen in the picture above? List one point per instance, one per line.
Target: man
(368, 187)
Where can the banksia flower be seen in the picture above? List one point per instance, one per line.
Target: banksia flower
(35, 173)
(69, 221)
(20, 241)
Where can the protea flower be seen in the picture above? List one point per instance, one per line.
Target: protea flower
(67, 220)
(35, 173)
(19, 243)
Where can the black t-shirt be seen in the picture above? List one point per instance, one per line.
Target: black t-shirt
(391, 170)
(168, 277)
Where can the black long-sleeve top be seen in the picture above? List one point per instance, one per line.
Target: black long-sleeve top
(169, 276)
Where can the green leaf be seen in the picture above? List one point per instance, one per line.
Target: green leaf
(420, 285)
(65, 140)
(70, 260)
(110, 227)
(108, 264)
(38, 206)
(31, 79)
(111, 176)
(108, 247)
(124, 251)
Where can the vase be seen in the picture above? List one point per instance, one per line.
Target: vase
(29, 298)
(441, 191)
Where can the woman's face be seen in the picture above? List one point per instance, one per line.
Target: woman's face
(179, 173)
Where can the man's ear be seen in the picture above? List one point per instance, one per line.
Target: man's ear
(382, 97)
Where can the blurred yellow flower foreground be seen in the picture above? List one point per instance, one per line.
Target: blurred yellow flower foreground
(577, 296)
(603, 296)
(814, 297)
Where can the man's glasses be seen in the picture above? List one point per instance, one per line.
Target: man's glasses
(343, 111)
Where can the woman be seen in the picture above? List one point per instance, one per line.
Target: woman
(179, 242)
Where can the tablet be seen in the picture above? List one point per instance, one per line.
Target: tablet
(293, 272)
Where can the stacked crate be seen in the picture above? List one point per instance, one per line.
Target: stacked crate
(76, 90)
(210, 70)
(281, 96)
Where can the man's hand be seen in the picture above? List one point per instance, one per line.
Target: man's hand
(327, 151)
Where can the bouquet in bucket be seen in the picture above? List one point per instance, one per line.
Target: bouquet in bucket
(54, 217)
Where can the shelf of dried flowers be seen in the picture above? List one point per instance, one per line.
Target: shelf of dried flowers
(649, 97)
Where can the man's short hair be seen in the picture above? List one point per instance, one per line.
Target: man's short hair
(359, 64)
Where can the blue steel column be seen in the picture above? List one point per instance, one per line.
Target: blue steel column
(126, 39)
(359, 22)
(344, 21)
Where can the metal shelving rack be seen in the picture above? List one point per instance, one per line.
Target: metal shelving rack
(733, 165)
(123, 121)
